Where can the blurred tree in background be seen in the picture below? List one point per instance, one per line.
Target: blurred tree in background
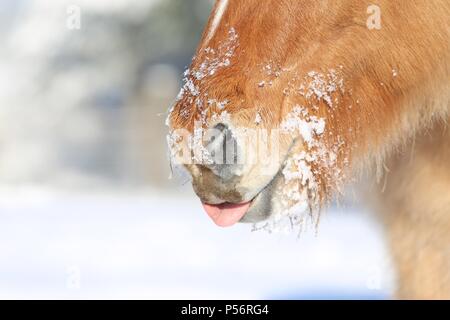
(86, 108)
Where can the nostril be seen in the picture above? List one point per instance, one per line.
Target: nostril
(222, 145)
(216, 143)
(223, 150)
(221, 127)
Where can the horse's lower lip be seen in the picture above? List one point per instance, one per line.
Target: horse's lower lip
(226, 214)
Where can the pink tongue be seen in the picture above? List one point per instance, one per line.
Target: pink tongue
(226, 214)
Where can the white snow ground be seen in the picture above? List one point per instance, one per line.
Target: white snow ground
(56, 245)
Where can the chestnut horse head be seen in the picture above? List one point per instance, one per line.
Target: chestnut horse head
(285, 99)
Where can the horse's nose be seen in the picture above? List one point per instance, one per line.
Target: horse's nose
(221, 145)
(224, 152)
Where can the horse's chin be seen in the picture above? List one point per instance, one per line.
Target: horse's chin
(266, 202)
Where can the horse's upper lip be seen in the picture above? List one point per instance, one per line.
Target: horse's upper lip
(227, 214)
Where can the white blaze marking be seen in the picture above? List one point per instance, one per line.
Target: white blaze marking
(221, 7)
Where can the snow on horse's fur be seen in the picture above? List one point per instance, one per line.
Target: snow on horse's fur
(355, 96)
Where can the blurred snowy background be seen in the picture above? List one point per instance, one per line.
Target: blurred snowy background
(86, 206)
